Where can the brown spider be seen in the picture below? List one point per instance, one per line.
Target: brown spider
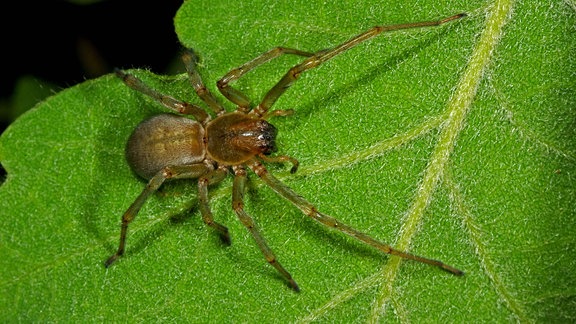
(168, 146)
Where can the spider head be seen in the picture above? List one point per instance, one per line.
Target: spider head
(233, 138)
(255, 136)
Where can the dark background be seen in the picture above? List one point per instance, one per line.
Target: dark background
(63, 43)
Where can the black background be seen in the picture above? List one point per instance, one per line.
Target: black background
(64, 43)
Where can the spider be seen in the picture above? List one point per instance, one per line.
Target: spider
(169, 146)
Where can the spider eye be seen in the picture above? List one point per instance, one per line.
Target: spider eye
(267, 137)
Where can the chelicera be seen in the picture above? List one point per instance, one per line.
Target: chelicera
(170, 146)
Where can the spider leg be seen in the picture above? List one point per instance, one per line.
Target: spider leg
(172, 103)
(190, 60)
(237, 97)
(325, 55)
(281, 159)
(311, 211)
(248, 222)
(203, 183)
(167, 173)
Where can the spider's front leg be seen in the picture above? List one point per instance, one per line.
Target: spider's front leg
(190, 60)
(322, 56)
(248, 222)
(237, 97)
(307, 208)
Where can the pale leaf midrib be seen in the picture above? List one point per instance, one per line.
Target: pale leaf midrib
(458, 106)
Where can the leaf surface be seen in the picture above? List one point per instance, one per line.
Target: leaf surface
(455, 143)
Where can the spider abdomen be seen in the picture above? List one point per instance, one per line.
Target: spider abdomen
(164, 140)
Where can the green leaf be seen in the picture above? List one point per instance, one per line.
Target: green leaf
(454, 142)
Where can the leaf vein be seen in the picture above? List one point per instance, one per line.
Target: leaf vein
(457, 109)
